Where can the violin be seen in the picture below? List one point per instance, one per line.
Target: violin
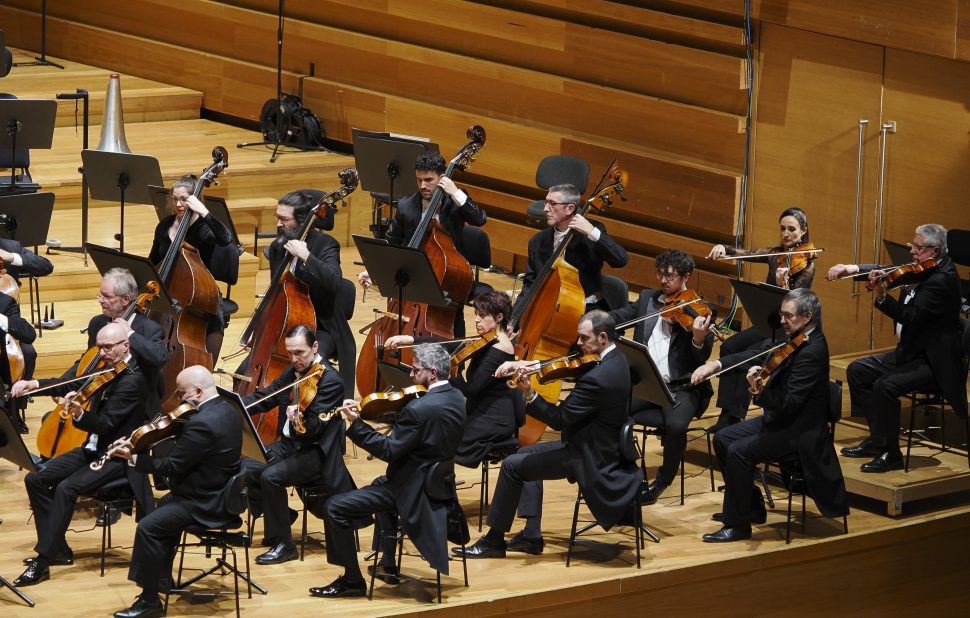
(470, 347)
(776, 360)
(563, 368)
(304, 392)
(15, 356)
(906, 274)
(795, 258)
(376, 405)
(149, 434)
(680, 308)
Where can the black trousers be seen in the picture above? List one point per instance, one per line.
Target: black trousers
(352, 506)
(740, 448)
(53, 491)
(732, 391)
(875, 386)
(674, 422)
(156, 539)
(520, 482)
(290, 466)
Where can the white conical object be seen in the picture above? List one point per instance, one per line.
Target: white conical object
(113, 123)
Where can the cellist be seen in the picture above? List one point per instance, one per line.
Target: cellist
(13, 325)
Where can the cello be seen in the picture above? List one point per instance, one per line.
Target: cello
(193, 290)
(286, 304)
(15, 355)
(546, 314)
(451, 269)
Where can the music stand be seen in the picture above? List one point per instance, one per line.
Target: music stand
(645, 378)
(26, 123)
(28, 220)
(13, 449)
(898, 252)
(762, 302)
(141, 268)
(121, 176)
(379, 159)
(396, 376)
(41, 60)
(252, 445)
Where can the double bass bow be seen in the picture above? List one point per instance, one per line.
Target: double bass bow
(193, 290)
(451, 270)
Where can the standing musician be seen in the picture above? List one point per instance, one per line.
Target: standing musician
(795, 400)
(116, 410)
(590, 419)
(203, 459)
(677, 353)
(587, 252)
(14, 326)
(929, 352)
(319, 268)
(205, 233)
(457, 210)
(732, 395)
(490, 405)
(297, 457)
(428, 430)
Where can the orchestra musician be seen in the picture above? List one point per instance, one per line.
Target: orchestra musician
(677, 353)
(795, 400)
(428, 430)
(587, 252)
(295, 457)
(203, 459)
(13, 325)
(490, 406)
(590, 419)
(733, 397)
(929, 352)
(116, 410)
(206, 233)
(319, 268)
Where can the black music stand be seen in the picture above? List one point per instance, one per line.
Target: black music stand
(28, 220)
(645, 380)
(26, 123)
(106, 258)
(252, 445)
(121, 176)
(41, 60)
(82, 95)
(898, 252)
(379, 159)
(13, 449)
(397, 376)
(762, 303)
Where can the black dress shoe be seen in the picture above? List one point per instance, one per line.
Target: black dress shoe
(36, 572)
(483, 548)
(866, 448)
(65, 559)
(340, 587)
(526, 545)
(652, 492)
(144, 606)
(282, 552)
(884, 463)
(114, 514)
(387, 574)
(726, 535)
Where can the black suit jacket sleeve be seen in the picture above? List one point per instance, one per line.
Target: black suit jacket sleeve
(33, 264)
(146, 344)
(625, 314)
(472, 213)
(581, 402)
(787, 401)
(608, 249)
(19, 328)
(191, 448)
(321, 269)
(284, 378)
(214, 232)
(927, 307)
(404, 438)
(123, 400)
(398, 227)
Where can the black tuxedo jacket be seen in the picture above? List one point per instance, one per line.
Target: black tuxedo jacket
(452, 216)
(34, 265)
(18, 328)
(428, 430)
(147, 347)
(582, 253)
(590, 419)
(205, 456)
(205, 234)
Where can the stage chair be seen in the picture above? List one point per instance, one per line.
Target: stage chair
(556, 170)
(648, 430)
(493, 460)
(114, 494)
(616, 293)
(477, 249)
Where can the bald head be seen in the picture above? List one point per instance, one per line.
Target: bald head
(113, 343)
(196, 384)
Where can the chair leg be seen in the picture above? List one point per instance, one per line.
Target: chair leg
(763, 473)
(967, 445)
(482, 493)
(464, 564)
(909, 437)
(572, 531)
(638, 520)
(804, 515)
(178, 579)
(378, 536)
(788, 526)
(235, 579)
(845, 523)
(683, 459)
(303, 533)
(438, 577)
(710, 459)
(105, 543)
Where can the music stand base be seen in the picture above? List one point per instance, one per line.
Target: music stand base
(39, 61)
(23, 597)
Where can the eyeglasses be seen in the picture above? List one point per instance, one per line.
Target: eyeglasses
(102, 297)
(285, 219)
(667, 276)
(552, 204)
(416, 370)
(182, 199)
(919, 248)
(108, 346)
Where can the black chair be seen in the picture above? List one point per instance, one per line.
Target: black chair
(932, 398)
(314, 490)
(616, 293)
(225, 538)
(493, 460)
(477, 249)
(631, 454)
(116, 494)
(346, 298)
(658, 431)
(958, 248)
(557, 170)
(439, 485)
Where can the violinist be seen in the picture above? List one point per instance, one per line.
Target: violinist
(199, 466)
(590, 419)
(428, 430)
(677, 353)
(205, 233)
(298, 457)
(116, 410)
(929, 352)
(732, 395)
(795, 400)
(319, 268)
(587, 252)
(490, 406)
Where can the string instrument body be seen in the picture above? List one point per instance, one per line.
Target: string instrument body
(777, 359)
(150, 434)
(15, 355)
(906, 274)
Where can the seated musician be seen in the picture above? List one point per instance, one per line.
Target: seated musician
(929, 352)
(490, 403)
(205, 233)
(428, 430)
(590, 419)
(732, 393)
(677, 353)
(296, 457)
(587, 252)
(795, 400)
(14, 327)
(319, 268)
(203, 459)
(457, 209)
(116, 410)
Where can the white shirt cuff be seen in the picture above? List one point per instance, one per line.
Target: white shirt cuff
(4, 321)
(460, 197)
(17, 260)
(595, 234)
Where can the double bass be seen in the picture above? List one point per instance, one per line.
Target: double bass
(193, 290)
(451, 269)
(286, 304)
(546, 315)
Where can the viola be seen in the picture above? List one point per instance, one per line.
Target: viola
(778, 357)
(451, 270)
(377, 406)
(906, 274)
(304, 392)
(15, 355)
(470, 347)
(150, 434)
(562, 368)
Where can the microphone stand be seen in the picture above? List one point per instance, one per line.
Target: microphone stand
(81, 94)
(279, 91)
(41, 60)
